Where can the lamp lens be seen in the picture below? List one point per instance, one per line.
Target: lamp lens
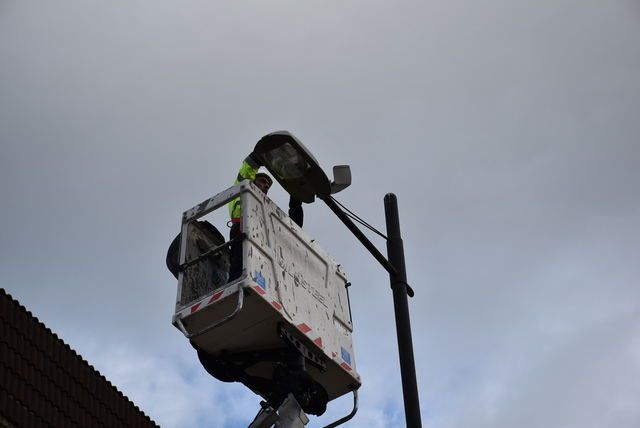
(286, 162)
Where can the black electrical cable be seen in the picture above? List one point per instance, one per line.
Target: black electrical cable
(359, 220)
(355, 217)
(363, 223)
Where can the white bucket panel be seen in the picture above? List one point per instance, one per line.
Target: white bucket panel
(299, 285)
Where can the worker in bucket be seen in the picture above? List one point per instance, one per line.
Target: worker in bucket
(249, 171)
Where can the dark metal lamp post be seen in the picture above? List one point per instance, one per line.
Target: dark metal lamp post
(301, 176)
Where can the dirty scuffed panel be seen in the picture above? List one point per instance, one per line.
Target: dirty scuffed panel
(300, 276)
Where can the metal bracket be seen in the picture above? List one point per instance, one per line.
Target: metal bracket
(188, 335)
(212, 250)
(302, 348)
(265, 418)
(350, 415)
(288, 415)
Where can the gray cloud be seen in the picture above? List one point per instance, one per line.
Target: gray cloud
(507, 130)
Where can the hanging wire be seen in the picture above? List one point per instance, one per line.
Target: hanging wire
(355, 217)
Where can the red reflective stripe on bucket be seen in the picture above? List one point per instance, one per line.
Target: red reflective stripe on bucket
(318, 342)
(259, 289)
(195, 307)
(215, 296)
(304, 328)
(276, 305)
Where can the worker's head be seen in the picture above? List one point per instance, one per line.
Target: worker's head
(263, 181)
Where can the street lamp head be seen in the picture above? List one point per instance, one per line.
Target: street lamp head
(295, 168)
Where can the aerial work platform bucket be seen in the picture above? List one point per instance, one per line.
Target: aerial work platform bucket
(291, 294)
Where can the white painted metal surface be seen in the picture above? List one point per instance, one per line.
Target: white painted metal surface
(287, 279)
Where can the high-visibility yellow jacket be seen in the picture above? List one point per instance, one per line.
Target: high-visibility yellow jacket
(248, 171)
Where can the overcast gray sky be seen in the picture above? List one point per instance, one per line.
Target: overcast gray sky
(508, 129)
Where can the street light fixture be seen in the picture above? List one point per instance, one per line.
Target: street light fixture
(299, 173)
(297, 170)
